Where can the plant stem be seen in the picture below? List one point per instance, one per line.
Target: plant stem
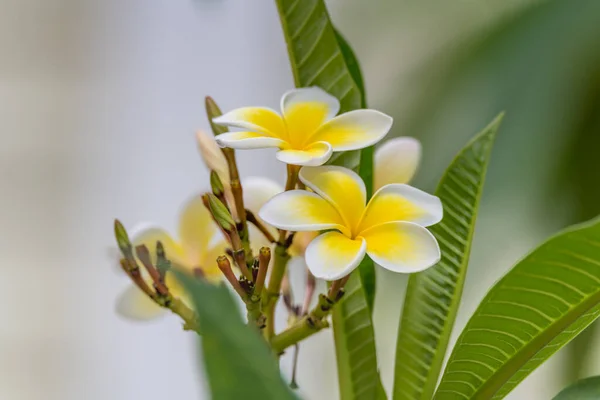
(250, 217)
(189, 316)
(305, 327)
(238, 196)
(280, 260)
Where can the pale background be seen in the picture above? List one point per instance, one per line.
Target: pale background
(99, 101)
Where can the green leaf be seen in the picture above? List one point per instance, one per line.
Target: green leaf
(364, 165)
(315, 54)
(321, 57)
(546, 300)
(585, 389)
(433, 296)
(353, 66)
(238, 362)
(358, 375)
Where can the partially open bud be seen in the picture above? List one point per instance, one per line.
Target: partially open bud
(212, 155)
(220, 213)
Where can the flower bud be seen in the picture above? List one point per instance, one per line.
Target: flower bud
(213, 111)
(220, 213)
(216, 184)
(212, 155)
(122, 239)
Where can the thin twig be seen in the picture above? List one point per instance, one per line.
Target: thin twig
(261, 227)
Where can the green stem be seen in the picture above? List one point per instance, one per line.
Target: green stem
(280, 261)
(307, 326)
(189, 316)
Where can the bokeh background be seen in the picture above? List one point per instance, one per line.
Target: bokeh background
(99, 101)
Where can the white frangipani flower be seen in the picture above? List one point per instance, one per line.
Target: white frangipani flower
(390, 228)
(307, 131)
(395, 161)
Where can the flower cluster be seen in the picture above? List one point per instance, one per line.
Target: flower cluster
(323, 215)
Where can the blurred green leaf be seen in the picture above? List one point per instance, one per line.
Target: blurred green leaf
(358, 375)
(433, 296)
(238, 362)
(546, 300)
(319, 56)
(585, 389)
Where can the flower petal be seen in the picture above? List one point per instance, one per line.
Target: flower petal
(208, 264)
(301, 242)
(400, 202)
(148, 235)
(247, 140)
(316, 154)
(396, 161)
(341, 187)
(196, 231)
(332, 255)
(257, 119)
(299, 210)
(305, 110)
(136, 305)
(257, 191)
(354, 130)
(402, 246)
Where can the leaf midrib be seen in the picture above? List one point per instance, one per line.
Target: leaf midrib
(439, 356)
(495, 382)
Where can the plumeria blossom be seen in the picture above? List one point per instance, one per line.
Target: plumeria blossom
(390, 228)
(198, 245)
(396, 161)
(307, 131)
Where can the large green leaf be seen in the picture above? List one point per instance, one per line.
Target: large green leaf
(538, 307)
(321, 57)
(355, 345)
(315, 54)
(585, 389)
(238, 362)
(433, 296)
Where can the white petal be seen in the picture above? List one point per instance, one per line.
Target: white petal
(258, 190)
(354, 130)
(402, 246)
(316, 154)
(136, 305)
(396, 161)
(400, 202)
(247, 140)
(332, 255)
(257, 119)
(309, 95)
(300, 210)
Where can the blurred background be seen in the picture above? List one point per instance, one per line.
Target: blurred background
(99, 101)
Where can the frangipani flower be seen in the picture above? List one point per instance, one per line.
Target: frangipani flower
(395, 161)
(308, 130)
(391, 228)
(199, 244)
